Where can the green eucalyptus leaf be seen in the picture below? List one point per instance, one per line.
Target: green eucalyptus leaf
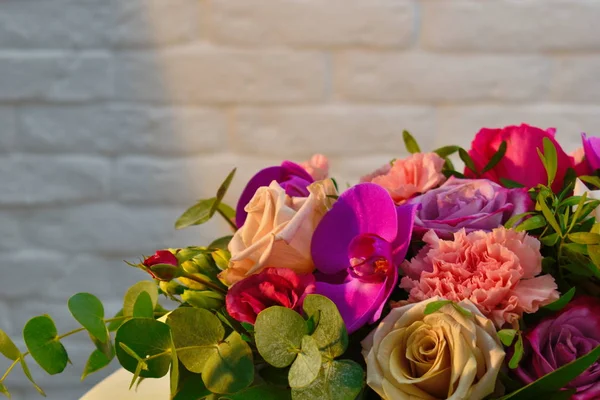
(88, 310)
(278, 334)
(190, 386)
(114, 325)
(556, 379)
(307, 365)
(337, 380)
(143, 307)
(231, 368)
(197, 214)
(585, 238)
(559, 304)
(95, 362)
(43, 342)
(330, 332)
(133, 293)
(259, 392)
(507, 336)
(174, 374)
(146, 338)
(410, 143)
(496, 158)
(196, 334)
(29, 377)
(7, 347)
(434, 306)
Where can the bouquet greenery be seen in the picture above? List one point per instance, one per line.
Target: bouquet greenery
(422, 281)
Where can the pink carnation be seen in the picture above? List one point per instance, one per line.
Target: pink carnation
(413, 175)
(317, 167)
(495, 270)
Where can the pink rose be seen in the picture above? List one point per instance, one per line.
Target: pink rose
(272, 287)
(497, 271)
(160, 257)
(317, 167)
(407, 177)
(521, 162)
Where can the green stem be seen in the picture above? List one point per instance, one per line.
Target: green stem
(230, 222)
(9, 369)
(205, 283)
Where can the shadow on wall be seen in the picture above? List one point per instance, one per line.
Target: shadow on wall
(99, 162)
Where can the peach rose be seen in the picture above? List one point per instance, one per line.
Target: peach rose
(317, 167)
(443, 355)
(410, 176)
(278, 231)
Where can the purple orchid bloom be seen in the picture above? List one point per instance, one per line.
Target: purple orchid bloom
(292, 177)
(357, 248)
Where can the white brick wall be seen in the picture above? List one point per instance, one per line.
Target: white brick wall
(115, 115)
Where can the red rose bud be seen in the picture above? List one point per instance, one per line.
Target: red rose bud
(271, 287)
(163, 265)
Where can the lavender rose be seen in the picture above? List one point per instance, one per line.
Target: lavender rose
(558, 340)
(472, 204)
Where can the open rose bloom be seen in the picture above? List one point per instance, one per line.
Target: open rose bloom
(420, 281)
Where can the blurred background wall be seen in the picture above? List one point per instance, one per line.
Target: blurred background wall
(115, 115)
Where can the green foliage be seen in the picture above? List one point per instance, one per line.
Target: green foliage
(507, 336)
(230, 368)
(259, 392)
(196, 333)
(562, 301)
(203, 299)
(221, 243)
(43, 342)
(204, 210)
(305, 368)
(96, 362)
(518, 352)
(7, 347)
(466, 158)
(410, 143)
(133, 293)
(330, 332)
(555, 380)
(143, 347)
(143, 307)
(279, 333)
(496, 158)
(89, 312)
(27, 374)
(337, 380)
(435, 306)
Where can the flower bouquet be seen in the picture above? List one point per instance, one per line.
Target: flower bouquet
(421, 282)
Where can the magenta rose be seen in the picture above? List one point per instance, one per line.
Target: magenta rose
(160, 257)
(472, 204)
(558, 340)
(293, 178)
(271, 287)
(521, 162)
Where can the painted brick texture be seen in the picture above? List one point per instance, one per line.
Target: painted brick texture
(116, 115)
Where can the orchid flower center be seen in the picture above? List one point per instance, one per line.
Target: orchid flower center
(370, 258)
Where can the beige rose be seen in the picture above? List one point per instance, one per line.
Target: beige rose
(444, 355)
(278, 231)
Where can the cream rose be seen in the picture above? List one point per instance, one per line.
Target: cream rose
(278, 231)
(444, 355)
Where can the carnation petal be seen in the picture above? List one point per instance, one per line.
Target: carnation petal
(535, 292)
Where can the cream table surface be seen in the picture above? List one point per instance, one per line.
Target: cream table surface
(116, 387)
